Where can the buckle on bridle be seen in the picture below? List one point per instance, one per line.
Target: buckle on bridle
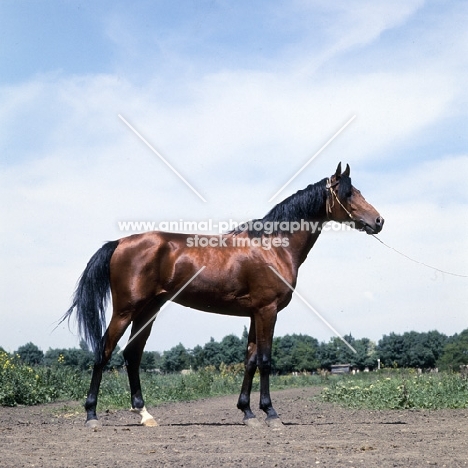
(329, 185)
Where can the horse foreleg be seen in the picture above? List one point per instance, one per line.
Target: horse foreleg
(132, 354)
(114, 332)
(265, 326)
(250, 367)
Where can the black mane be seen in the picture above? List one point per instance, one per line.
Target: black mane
(307, 204)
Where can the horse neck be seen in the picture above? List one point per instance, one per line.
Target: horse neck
(300, 243)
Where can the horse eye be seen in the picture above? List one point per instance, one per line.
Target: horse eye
(349, 194)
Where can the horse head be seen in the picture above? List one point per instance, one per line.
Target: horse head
(346, 204)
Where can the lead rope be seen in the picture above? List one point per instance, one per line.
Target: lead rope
(416, 261)
(329, 208)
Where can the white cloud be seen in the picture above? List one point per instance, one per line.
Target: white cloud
(346, 26)
(72, 169)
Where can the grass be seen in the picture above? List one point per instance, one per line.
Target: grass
(25, 385)
(205, 383)
(401, 390)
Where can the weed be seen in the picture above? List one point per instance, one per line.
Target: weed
(425, 391)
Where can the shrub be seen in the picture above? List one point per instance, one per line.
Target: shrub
(426, 391)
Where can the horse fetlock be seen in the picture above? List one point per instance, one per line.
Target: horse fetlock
(90, 413)
(269, 411)
(248, 414)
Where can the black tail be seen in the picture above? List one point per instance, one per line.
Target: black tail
(91, 296)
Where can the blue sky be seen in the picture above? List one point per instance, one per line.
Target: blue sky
(237, 96)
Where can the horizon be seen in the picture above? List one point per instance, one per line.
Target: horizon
(376, 342)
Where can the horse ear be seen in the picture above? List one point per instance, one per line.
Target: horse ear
(338, 171)
(347, 171)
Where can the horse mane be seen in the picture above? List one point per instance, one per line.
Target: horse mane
(306, 204)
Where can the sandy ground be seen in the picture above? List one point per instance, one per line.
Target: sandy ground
(210, 433)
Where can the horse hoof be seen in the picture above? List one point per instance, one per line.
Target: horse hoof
(92, 424)
(274, 423)
(150, 423)
(146, 418)
(252, 422)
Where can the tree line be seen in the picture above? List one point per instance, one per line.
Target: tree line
(290, 353)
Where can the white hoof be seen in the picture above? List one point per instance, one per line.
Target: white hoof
(146, 418)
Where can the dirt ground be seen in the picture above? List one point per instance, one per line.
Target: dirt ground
(210, 433)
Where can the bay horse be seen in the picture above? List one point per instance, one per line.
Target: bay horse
(245, 272)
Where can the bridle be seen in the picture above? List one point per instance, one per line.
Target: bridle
(331, 197)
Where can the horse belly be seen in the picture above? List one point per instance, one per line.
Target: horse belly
(238, 306)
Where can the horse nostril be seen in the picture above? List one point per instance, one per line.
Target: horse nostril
(379, 221)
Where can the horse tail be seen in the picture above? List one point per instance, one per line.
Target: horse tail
(91, 297)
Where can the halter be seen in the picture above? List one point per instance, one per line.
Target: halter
(330, 203)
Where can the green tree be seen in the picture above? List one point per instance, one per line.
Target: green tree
(281, 354)
(73, 357)
(81, 358)
(336, 352)
(210, 354)
(304, 354)
(232, 350)
(327, 354)
(294, 353)
(390, 349)
(455, 352)
(150, 360)
(412, 349)
(198, 357)
(116, 361)
(366, 355)
(176, 359)
(30, 354)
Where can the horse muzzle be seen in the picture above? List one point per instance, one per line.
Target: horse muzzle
(371, 227)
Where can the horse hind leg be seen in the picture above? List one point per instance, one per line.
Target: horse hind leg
(133, 352)
(114, 332)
